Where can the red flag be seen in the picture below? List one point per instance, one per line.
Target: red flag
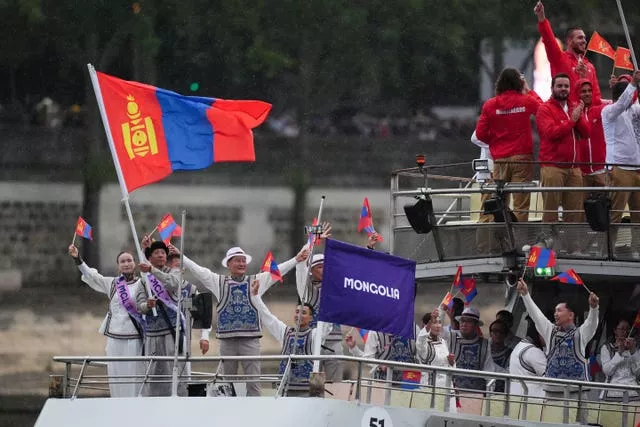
(366, 220)
(623, 59)
(457, 279)
(447, 301)
(636, 322)
(156, 132)
(83, 229)
(599, 45)
(270, 265)
(313, 238)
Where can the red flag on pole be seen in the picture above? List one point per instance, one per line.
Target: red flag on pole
(599, 45)
(623, 59)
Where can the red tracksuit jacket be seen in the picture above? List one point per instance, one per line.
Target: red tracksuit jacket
(592, 149)
(505, 123)
(559, 135)
(566, 62)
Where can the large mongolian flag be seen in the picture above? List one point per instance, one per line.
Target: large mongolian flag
(156, 131)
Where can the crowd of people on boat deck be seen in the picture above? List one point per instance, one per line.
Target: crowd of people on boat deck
(585, 140)
(551, 349)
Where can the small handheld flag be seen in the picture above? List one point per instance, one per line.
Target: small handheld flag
(598, 44)
(457, 279)
(270, 265)
(313, 238)
(570, 277)
(83, 229)
(366, 220)
(447, 301)
(540, 258)
(636, 324)
(364, 334)
(410, 380)
(469, 290)
(167, 227)
(594, 366)
(622, 59)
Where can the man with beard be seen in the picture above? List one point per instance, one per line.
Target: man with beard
(573, 61)
(591, 148)
(559, 122)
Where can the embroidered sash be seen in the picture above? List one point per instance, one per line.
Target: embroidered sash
(161, 293)
(122, 290)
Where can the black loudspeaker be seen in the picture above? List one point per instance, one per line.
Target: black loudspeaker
(202, 310)
(420, 215)
(597, 208)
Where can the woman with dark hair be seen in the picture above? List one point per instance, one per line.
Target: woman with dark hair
(527, 358)
(620, 362)
(123, 324)
(433, 350)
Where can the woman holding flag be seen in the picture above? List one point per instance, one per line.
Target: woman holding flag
(620, 362)
(123, 324)
(432, 349)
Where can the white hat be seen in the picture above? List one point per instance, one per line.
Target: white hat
(317, 259)
(235, 251)
(471, 313)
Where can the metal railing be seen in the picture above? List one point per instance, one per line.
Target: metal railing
(572, 402)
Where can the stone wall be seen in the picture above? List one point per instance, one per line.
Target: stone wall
(38, 221)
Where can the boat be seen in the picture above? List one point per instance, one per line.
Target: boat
(434, 220)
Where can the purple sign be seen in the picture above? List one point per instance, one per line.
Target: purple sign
(367, 289)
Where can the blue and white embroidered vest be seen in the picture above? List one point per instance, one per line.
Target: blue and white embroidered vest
(395, 348)
(300, 369)
(470, 354)
(237, 316)
(564, 359)
(314, 299)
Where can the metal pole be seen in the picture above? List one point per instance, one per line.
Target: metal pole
(305, 297)
(176, 349)
(626, 34)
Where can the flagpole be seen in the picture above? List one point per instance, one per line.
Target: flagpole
(73, 241)
(116, 163)
(174, 377)
(626, 34)
(317, 344)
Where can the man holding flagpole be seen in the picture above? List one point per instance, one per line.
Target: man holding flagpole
(309, 285)
(238, 328)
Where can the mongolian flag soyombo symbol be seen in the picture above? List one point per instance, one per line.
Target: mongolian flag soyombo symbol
(156, 131)
(83, 229)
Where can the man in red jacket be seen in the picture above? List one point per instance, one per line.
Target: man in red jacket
(561, 125)
(505, 125)
(592, 149)
(573, 61)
